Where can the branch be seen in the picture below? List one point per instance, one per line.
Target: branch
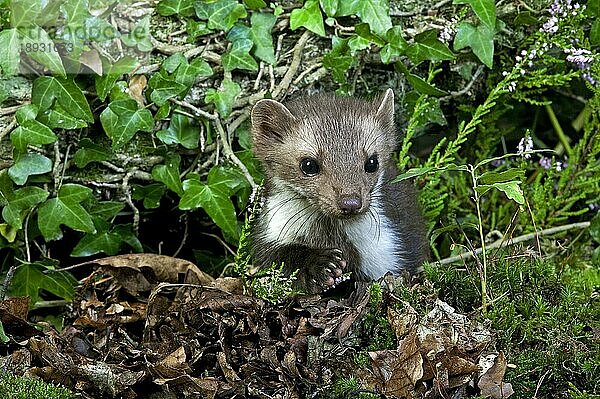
(229, 152)
(513, 241)
(283, 86)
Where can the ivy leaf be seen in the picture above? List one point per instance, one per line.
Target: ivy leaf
(181, 131)
(308, 16)
(112, 73)
(170, 7)
(255, 4)
(226, 179)
(91, 244)
(23, 200)
(65, 209)
(151, 194)
(59, 118)
(108, 240)
(329, 7)
(31, 278)
(27, 165)
(91, 152)
(47, 89)
(122, 119)
(11, 57)
(187, 73)
(169, 174)
(480, 39)
(395, 47)
(26, 112)
(139, 37)
(224, 97)
(165, 87)
(238, 57)
(484, 9)
(76, 11)
(196, 29)
(221, 14)
(34, 37)
(31, 132)
(428, 47)
(364, 31)
(339, 59)
(215, 202)
(348, 7)
(376, 13)
(105, 209)
(260, 33)
(24, 12)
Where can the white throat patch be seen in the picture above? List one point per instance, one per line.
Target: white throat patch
(376, 241)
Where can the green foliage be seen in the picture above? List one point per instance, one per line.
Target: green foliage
(99, 155)
(273, 284)
(13, 387)
(542, 315)
(32, 278)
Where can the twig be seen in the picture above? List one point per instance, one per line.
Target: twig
(465, 89)
(194, 109)
(223, 243)
(237, 122)
(185, 235)
(9, 110)
(283, 86)
(8, 128)
(525, 237)
(539, 384)
(127, 193)
(229, 152)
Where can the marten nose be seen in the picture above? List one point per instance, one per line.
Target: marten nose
(349, 204)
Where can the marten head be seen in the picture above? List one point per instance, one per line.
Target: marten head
(329, 151)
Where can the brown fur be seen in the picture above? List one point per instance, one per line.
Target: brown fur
(303, 224)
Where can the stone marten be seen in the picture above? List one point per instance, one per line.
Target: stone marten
(330, 206)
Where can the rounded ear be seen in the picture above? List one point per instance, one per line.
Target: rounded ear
(385, 109)
(271, 121)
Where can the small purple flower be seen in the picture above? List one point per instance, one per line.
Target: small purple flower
(550, 26)
(559, 166)
(545, 163)
(580, 57)
(594, 207)
(589, 78)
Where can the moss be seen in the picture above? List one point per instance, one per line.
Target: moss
(544, 313)
(13, 387)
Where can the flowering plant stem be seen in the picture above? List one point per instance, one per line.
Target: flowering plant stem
(558, 129)
(483, 264)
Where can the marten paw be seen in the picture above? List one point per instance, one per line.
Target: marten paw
(331, 266)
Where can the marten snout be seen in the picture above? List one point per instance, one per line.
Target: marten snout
(349, 204)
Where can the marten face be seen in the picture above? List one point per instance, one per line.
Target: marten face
(330, 152)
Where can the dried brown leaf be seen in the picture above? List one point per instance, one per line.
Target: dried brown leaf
(490, 382)
(397, 371)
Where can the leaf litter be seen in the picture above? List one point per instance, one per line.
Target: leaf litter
(151, 326)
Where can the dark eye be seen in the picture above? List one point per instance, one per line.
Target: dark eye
(309, 166)
(372, 164)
